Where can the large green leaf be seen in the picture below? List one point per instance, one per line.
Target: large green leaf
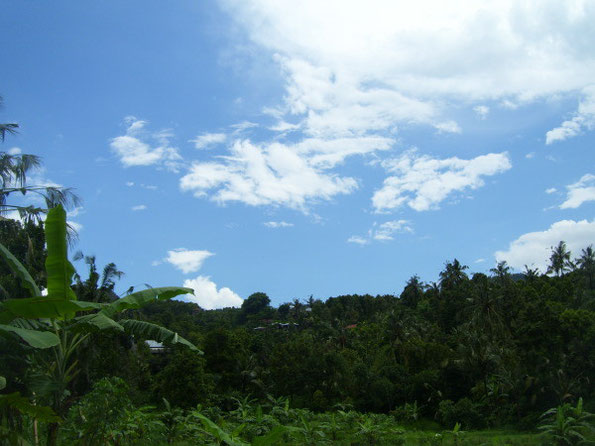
(147, 330)
(22, 404)
(2, 382)
(18, 268)
(35, 338)
(96, 321)
(42, 307)
(59, 269)
(142, 298)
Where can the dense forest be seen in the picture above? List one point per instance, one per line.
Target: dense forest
(471, 352)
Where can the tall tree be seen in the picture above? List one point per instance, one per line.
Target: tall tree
(586, 262)
(560, 260)
(453, 274)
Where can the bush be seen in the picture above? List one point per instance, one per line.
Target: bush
(106, 415)
(464, 411)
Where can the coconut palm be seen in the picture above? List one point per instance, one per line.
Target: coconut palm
(586, 262)
(560, 260)
(453, 274)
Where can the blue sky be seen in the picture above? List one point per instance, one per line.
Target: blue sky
(300, 148)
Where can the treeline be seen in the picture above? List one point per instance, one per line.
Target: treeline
(483, 350)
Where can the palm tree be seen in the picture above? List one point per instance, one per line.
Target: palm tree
(531, 273)
(13, 177)
(453, 274)
(586, 262)
(560, 260)
(502, 270)
(6, 128)
(97, 288)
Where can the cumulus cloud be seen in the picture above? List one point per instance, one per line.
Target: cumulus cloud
(351, 68)
(584, 118)
(14, 151)
(277, 224)
(208, 296)
(133, 148)
(139, 207)
(383, 232)
(551, 190)
(422, 182)
(274, 174)
(186, 260)
(208, 139)
(580, 192)
(534, 248)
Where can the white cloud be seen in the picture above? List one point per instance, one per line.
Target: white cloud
(530, 155)
(273, 174)
(580, 192)
(241, 127)
(480, 260)
(534, 248)
(208, 139)
(76, 211)
(448, 127)
(139, 207)
(187, 261)
(208, 296)
(74, 225)
(14, 151)
(482, 111)
(129, 183)
(358, 240)
(551, 190)
(383, 232)
(584, 118)
(352, 68)
(133, 151)
(422, 182)
(277, 224)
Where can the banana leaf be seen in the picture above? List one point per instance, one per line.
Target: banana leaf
(59, 269)
(146, 330)
(35, 338)
(141, 298)
(21, 272)
(42, 307)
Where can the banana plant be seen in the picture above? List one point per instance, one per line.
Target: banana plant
(59, 322)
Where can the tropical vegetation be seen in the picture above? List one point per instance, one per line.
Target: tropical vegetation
(504, 358)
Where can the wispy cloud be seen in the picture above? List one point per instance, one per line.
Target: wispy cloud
(139, 207)
(133, 148)
(580, 192)
(383, 232)
(481, 111)
(422, 182)
(205, 140)
(584, 118)
(277, 224)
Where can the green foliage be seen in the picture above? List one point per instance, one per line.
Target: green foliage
(106, 415)
(464, 412)
(567, 425)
